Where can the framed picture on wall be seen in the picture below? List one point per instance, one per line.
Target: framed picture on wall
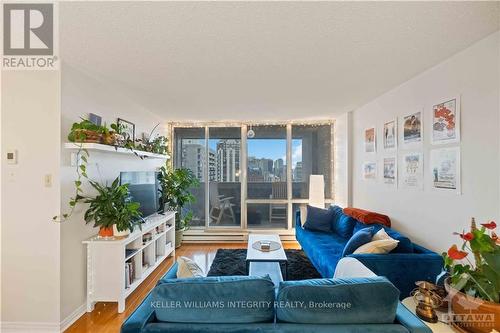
(370, 140)
(412, 171)
(390, 134)
(390, 171)
(446, 121)
(445, 169)
(128, 129)
(413, 128)
(369, 170)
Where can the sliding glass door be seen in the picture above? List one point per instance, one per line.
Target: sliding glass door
(267, 190)
(224, 146)
(253, 176)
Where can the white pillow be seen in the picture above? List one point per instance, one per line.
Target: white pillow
(188, 268)
(381, 234)
(381, 246)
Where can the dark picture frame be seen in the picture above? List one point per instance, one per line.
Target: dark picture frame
(128, 129)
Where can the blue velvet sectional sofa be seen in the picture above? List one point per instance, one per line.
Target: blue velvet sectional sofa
(360, 305)
(403, 266)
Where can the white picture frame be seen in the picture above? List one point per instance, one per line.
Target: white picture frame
(369, 170)
(370, 140)
(412, 171)
(445, 121)
(445, 169)
(390, 134)
(390, 171)
(412, 129)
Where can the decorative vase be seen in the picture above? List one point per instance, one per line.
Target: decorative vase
(179, 234)
(106, 232)
(472, 314)
(123, 233)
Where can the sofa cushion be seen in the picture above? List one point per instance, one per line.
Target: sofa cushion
(225, 299)
(342, 224)
(188, 268)
(368, 217)
(405, 245)
(382, 246)
(359, 238)
(319, 219)
(371, 300)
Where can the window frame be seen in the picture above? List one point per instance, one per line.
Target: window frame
(243, 172)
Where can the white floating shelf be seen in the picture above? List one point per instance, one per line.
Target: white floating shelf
(113, 149)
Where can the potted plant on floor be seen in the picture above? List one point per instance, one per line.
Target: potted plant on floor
(175, 196)
(112, 208)
(474, 288)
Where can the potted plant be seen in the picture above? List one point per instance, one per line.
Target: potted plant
(112, 207)
(474, 288)
(175, 196)
(85, 131)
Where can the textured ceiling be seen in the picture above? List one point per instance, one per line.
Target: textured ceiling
(271, 60)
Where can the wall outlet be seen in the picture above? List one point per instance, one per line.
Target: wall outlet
(47, 179)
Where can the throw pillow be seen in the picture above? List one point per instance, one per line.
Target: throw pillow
(188, 268)
(318, 219)
(361, 237)
(381, 234)
(382, 246)
(342, 224)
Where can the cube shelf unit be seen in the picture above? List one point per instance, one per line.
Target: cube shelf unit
(144, 249)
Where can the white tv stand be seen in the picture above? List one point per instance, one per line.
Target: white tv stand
(106, 260)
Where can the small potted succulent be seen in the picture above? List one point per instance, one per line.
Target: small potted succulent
(474, 288)
(175, 196)
(112, 207)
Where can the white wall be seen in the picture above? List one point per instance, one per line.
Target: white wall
(30, 240)
(342, 185)
(83, 93)
(430, 217)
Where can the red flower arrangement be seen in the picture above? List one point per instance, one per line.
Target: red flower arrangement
(481, 279)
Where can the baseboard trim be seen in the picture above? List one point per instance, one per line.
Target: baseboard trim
(74, 316)
(20, 326)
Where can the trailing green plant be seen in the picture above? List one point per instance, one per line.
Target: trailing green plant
(84, 130)
(480, 279)
(112, 206)
(175, 185)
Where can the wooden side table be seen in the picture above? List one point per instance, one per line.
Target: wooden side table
(438, 327)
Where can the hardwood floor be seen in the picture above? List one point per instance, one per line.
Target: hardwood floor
(106, 319)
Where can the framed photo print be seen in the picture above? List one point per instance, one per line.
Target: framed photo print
(445, 169)
(412, 128)
(412, 171)
(370, 140)
(390, 171)
(446, 121)
(369, 170)
(128, 129)
(390, 134)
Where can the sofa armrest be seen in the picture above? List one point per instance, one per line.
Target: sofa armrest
(411, 322)
(403, 269)
(144, 313)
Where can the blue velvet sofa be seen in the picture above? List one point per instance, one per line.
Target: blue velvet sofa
(375, 308)
(403, 266)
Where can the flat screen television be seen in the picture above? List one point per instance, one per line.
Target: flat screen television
(144, 189)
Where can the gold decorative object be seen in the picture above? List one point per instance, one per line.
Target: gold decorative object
(427, 299)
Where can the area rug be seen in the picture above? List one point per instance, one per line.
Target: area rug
(232, 262)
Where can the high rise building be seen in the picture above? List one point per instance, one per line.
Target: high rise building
(194, 158)
(228, 160)
(297, 172)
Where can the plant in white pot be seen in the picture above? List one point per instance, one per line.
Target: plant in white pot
(474, 288)
(175, 196)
